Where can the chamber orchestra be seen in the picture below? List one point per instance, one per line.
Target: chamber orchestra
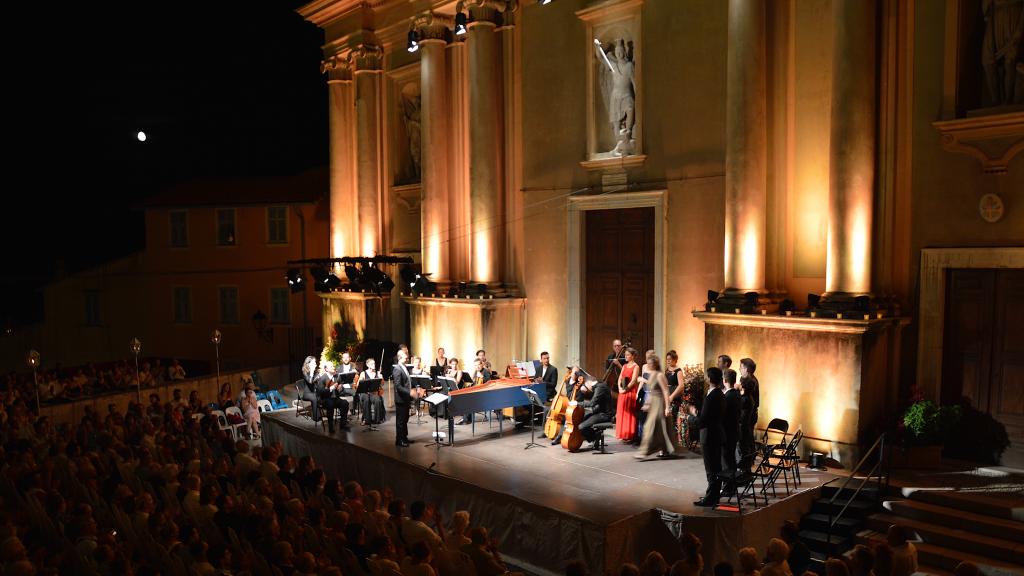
(655, 405)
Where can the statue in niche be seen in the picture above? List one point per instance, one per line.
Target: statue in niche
(411, 118)
(616, 73)
(1001, 56)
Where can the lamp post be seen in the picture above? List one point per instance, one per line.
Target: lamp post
(215, 337)
(33, 361)
(136, 346)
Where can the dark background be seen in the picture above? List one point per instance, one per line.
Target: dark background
(222, 88)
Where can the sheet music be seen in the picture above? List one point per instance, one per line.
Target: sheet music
(436, 398)
(528, 368)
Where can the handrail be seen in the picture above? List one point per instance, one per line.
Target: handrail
(880, 444)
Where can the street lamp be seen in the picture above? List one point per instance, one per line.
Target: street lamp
(33, 361)
(215, 337)
(136, 345)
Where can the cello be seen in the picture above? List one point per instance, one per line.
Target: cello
(556, 416)
(572, 437)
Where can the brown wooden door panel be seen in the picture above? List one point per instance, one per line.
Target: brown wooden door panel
(967, 348)
(619, 280)
(1008, 348)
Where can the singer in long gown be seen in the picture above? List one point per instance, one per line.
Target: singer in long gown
(625, 411)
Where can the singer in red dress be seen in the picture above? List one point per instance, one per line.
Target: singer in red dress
(625, 419)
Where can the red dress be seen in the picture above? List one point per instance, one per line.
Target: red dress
(625, 419)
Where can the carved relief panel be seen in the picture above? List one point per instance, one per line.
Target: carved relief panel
(404, 148)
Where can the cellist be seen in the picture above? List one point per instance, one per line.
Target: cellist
(600, 408)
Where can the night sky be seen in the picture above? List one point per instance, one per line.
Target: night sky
(221, 87)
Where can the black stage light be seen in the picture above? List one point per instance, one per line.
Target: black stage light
(787, 305)
(712, 296)
(751, 299)
(408, 275)
(413, 44)
(423, 286)
(862, 304)
(295, 281)
(543, 2)
(813, 300)
(332, 282)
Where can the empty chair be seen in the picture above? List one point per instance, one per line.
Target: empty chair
(264, 406)
(236, 429)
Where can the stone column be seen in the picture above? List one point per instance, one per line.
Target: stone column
(852, 151)
(344, 216)
(458, 164)
(366, 60)
(434, 154)
(485, 156)
(745, 148)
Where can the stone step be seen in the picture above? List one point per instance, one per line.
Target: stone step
(819, 542)
(857, 508)
(945, 516)
(869, 492)
(940, 558)
(962, 538)
(996, 505)
(819, 523)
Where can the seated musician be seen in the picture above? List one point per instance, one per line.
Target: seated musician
(327, 387)
(346, 365)
(307, 390)
(481, 355)
(453, 371)
(371, 404)
(481, 374)
(441, 360)
(575, 392)
(548, 375)
(600, 408)
(417, 365)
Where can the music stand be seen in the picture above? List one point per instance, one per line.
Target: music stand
(535, 402)
(435, 400)
(369, 386)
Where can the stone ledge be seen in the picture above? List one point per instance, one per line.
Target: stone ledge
(805, 323)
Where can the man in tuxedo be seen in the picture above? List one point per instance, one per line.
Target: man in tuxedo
(548, 375)
(403, 398)
(601, 408)
(731, 420)
(750, 385)
(326, 389)
(712, 436)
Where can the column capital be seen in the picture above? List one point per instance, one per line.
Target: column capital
(433, 26)
(496, 12)
(366, 57)
(337, 67)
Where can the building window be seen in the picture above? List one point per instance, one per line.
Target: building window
(228, 305)
(179, 228)
(280, 306)
(92, 308)
(182, 305)
(226, 226)
(277, 225)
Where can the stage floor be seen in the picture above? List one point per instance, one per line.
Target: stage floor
(596, 489)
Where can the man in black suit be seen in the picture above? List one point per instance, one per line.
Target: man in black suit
(731, 420)
(712, 436)
(601, 406)
(403, 398)
(325, 387)
(548, 375)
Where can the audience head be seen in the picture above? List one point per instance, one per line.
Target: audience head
(420, 553)
(778, 550)
(629, 569)
(966, 569)
(722, 569)
(883, 559)
(836, 567)
(896, 536)
(749, 561)
(460, 521)
(863, 559)
(654, 564)
(417, 510)
(789, 531)
(478, 536)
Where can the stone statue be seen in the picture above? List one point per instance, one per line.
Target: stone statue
(1000, 51)
(411, 117)
(617, 86)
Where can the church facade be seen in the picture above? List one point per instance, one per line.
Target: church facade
(832, 188)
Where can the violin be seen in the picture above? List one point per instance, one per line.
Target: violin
(615, 364)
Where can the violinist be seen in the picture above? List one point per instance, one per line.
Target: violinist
(371, 403)
(547, 375)
(326, 387)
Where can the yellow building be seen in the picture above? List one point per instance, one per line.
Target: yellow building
(601, 165)
(215, 257)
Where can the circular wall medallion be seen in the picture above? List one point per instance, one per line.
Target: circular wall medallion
(991, 207)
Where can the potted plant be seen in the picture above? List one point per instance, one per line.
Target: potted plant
(979, 437)
(925, 428)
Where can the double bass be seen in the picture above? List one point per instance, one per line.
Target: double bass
(556, 416)
(572, 436)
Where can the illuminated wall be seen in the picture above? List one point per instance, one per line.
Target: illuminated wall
(462, 327)
(828, 377)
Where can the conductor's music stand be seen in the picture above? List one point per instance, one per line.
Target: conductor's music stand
(535, 403)
(435, 400)
(369, 386)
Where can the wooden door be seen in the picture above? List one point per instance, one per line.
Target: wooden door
(983, 348)
(618, 282)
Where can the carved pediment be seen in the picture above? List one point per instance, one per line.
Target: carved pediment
(992, 140)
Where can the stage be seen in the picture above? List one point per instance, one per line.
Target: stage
(545, 505)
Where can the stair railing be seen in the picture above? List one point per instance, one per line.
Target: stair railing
(879, 467)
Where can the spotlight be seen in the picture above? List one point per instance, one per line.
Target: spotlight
(295, 281)
(787, 306)
(460, 23)
(423, 285)
(332, 282)
(408, 275)
(813, 300)
(751, 298)
(712, 296)
(413, 44)
(543, 2)
(862, 304)
(319, 276)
